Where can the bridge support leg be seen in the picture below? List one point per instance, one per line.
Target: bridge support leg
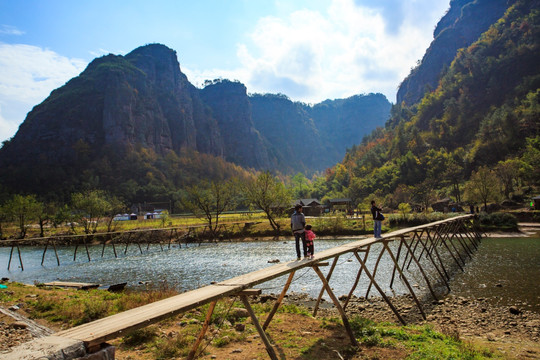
(193, 351)
(371, 277)
(404, 242)
(405, 280)
(397, 258)
(366, 253)
(443, 278)
(337, 305)
(375, 271)
(279, 300)
(269, 348)
(334, 263)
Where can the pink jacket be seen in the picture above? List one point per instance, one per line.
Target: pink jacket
(310, 235)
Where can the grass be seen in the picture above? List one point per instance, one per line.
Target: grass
(174, 337)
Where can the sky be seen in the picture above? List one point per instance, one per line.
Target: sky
(309, 50)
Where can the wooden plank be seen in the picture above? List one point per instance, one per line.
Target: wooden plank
(113, 326)
(76, 285)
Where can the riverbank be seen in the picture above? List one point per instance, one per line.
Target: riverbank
(495, 331)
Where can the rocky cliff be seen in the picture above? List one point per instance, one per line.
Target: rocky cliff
(458, 28)
(142, 103)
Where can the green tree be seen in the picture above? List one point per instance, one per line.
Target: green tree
(89, 208)
(116, 206)
(210, 200)
(483, 186)
(23, 210)
(300, 186)
(270, 195)
(508, 172)
(404, 209)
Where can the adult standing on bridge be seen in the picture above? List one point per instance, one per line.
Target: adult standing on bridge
(298, 223)
(378, 217)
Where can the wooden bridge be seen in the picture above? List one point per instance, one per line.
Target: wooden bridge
(436, 250)
(142, 238)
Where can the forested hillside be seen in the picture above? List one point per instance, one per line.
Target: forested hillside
(482, 121)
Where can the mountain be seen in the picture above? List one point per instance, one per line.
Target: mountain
(483, 113)
(458, 28)
(126, 124)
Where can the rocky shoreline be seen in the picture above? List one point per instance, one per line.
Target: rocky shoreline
(510, 329)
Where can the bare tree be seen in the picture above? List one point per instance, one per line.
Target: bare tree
(210, 200)
(270, 195)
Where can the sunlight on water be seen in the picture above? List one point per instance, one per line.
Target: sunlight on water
(504, 269)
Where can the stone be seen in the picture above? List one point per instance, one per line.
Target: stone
(514, 310)
(239, 313)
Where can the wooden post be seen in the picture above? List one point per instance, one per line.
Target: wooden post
(414, 249)
(86, 246)
(10, 256)
(56, 253)
(366, 253)
(193, 351)
(398, 253)
(269, 348)
(375, 271)
(435, 265)
(337, 305)
(44, 251)
(279, 300)
(385, 243)
(334, 263)
(372, 278)
(419, 267)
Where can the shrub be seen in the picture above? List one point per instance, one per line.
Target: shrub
(498, 220)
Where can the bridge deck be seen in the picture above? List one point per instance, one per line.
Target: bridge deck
(108, 328)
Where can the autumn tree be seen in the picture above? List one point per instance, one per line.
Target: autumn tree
(483, 186)
(209, 200)
(270, 195)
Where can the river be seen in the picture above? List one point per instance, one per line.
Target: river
(504, 270)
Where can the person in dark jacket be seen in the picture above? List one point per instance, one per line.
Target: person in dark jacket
(298, 223)
(377, 219)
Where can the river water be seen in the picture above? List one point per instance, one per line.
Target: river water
(504, 270)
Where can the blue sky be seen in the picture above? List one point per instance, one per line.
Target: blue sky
(309, 50)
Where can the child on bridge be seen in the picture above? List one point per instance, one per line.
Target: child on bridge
(310, 236)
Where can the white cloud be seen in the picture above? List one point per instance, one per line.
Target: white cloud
(10, 30)
(345, 50)
(27, 76)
